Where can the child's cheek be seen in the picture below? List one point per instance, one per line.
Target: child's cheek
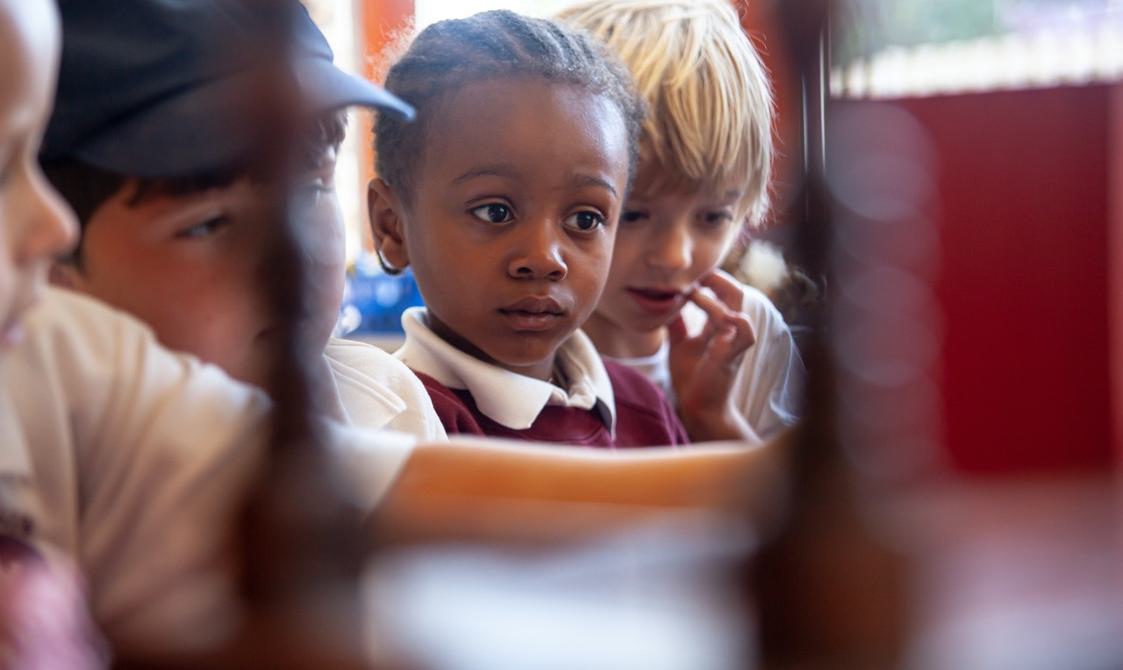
(601, 270)
(626, 263)
(325, 245)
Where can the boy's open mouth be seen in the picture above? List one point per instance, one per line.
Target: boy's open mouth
(533, 313)
(657, 300)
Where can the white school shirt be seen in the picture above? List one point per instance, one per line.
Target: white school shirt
(376, 391)
(506, 397)
(130, 462)
(769, 385)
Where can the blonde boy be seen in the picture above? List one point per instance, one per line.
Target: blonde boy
(719, 348)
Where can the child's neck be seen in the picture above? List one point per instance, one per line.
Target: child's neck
(542, 370)
(616, 342)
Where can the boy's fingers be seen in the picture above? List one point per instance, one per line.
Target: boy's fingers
(717, 366)
(728, 347)
(726, 288)
(676, 329)
(721, 360)
(745, 334)
(716, 312)
(720, 316)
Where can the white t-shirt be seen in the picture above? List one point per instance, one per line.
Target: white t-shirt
(130, 461)
(378, 392)
(770, 381)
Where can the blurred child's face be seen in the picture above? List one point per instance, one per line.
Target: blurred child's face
(511, 224)
(35, 224)
(667, 242)
(194, 267)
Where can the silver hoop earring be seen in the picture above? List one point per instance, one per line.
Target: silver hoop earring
(386, 267)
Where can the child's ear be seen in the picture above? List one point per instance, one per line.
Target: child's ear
(387, 226)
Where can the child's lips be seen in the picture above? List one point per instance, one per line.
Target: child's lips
(534, 313)
(657, 300)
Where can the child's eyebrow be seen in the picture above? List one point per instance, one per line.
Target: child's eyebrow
(593, 180)
(511, 172)
(494, 170)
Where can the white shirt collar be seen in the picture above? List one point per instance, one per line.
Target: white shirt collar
(506, 397)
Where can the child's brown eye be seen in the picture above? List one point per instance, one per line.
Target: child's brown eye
(493, 213)
(585, 221)
(633, 215)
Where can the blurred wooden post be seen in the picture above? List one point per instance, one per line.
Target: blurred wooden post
(828, 593)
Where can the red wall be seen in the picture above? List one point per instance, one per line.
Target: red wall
(380, 23)
(1024, 207)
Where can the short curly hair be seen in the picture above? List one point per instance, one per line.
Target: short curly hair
(450, 54)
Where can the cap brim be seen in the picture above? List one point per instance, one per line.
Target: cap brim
(326, 87)
(196, 131)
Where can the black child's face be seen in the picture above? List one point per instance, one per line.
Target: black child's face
(511, 225)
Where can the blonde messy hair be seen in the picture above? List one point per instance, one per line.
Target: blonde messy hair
(708, 94)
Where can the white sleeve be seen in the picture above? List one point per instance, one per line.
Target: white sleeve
(143, 458)
(369, 461)
(771, 381)
(379, 392)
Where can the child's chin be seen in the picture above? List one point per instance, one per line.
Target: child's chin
(524, 353)
(645, 323)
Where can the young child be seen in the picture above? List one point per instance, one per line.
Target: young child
(720, 349)
(143, 146)
(504, 197)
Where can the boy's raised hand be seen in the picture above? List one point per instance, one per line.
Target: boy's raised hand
(704, 366)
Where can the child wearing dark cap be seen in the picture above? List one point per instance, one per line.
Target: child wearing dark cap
(504, 197)
(146, 145)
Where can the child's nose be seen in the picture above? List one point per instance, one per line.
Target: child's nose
(671, 250)
(50, 226)
(539, 255)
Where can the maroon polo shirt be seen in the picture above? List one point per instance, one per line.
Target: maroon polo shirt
(644, 418)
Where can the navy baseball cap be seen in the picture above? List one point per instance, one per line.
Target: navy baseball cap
(145, 86)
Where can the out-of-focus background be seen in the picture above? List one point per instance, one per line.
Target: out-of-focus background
(976, 161)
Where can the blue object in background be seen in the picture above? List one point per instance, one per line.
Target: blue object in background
(373, 301)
